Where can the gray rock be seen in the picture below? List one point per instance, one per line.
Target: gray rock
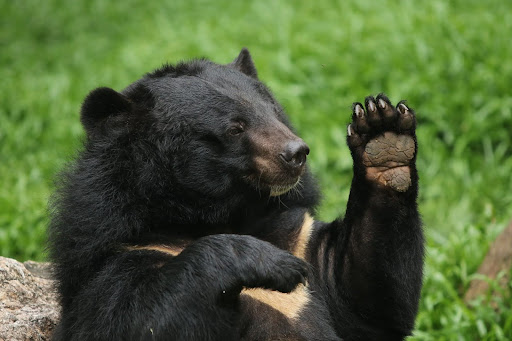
(29, 309)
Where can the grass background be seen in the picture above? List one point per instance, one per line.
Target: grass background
(452, 60)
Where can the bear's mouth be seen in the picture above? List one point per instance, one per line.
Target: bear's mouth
(279, 160)
(275, 187)
(277, 190)
(273, 176)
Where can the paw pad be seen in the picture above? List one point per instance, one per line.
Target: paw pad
(387, 158)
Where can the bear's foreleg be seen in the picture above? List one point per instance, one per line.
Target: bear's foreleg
(372, 260)
(144, 293)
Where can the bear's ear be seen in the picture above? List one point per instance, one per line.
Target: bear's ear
(100, 105)
(245, 64)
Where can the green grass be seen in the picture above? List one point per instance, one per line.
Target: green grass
(450, 59)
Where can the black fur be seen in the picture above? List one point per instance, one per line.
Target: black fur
(187, 157)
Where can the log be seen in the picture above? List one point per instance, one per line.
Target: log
(498, 259)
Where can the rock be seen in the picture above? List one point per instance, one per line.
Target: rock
(28, 301)
(498, 259)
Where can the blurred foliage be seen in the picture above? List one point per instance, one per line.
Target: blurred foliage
(450, 59)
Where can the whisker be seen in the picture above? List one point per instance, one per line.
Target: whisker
(281, 202)
(297, 189)
(258, 186)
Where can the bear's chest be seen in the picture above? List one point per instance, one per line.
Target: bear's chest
(265, 314)
(272, 315)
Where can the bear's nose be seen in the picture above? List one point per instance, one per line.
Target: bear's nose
(294, 153)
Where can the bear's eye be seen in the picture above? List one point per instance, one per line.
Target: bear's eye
(236, 129)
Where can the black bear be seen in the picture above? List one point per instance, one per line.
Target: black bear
(188, 216)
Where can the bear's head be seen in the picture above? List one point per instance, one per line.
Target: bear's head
(196, 132)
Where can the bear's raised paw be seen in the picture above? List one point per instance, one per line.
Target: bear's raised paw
(381, 138)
